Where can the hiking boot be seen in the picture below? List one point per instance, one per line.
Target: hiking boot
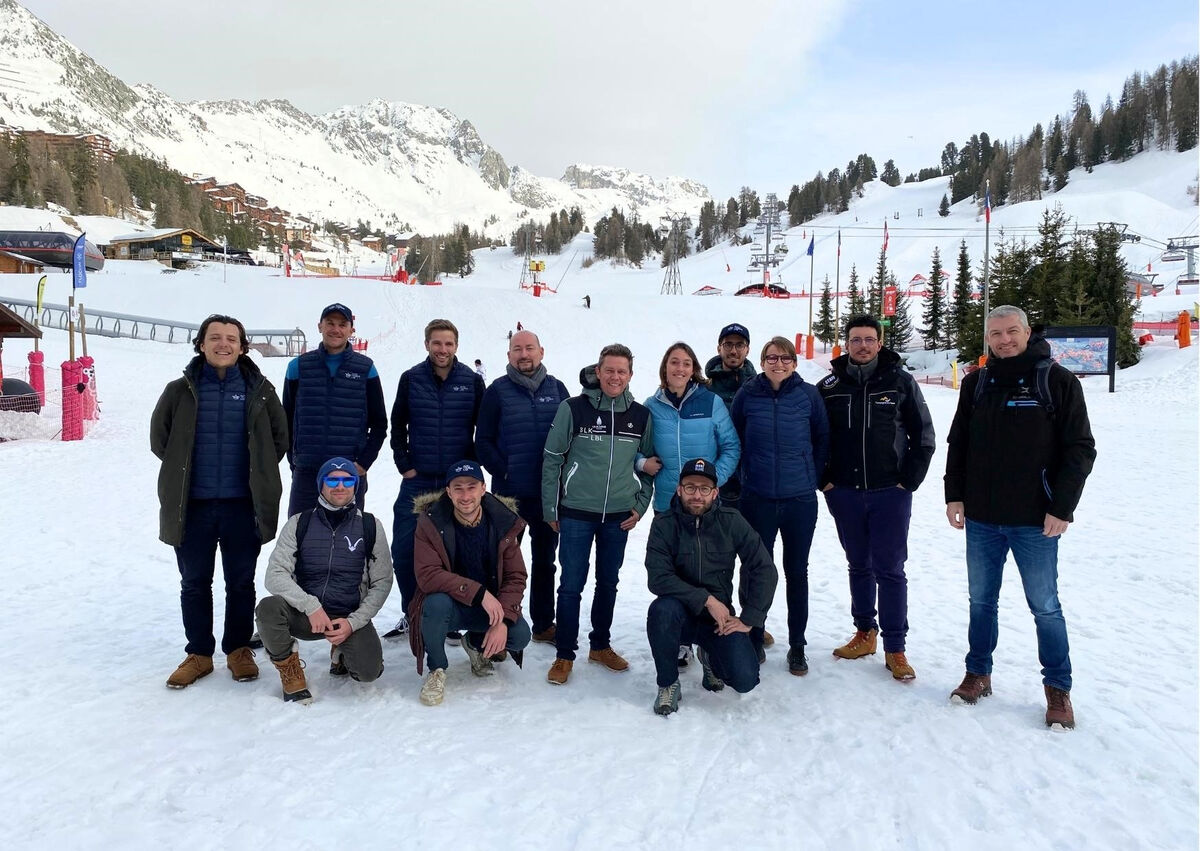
(609, 658)
(242, 665)
(546, 636)
(685, 655)
(862, 644)
(433, 690)
(400, 629)
(190, 669)
(797, 662)
(560, 671)
(768, 639)
(337, 664)
(897, 663)
(454, 638)
(710, 681)
(667, 700)
(1060, 715)
(481, 666)
(972, 688)
(291, 676)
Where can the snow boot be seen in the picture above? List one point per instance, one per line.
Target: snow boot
(972, 688)
(291, 676)
(1060, 715)
(862, 644)
(897, 663)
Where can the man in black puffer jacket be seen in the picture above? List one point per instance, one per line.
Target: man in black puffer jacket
(1021, 448)
(689, 565)
(880, 444)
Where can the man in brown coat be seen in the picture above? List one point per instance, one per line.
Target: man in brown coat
(470, 575)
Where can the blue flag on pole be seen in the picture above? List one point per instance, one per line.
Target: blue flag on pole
(811, 242)
(78, 269)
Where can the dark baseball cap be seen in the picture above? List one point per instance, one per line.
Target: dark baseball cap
(734, 329)
(464, 468)
(338, 308)
(699, 467)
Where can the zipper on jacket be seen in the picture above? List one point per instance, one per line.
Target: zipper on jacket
(866, 425)
(612, 445)
(699, 553)
(329, 565)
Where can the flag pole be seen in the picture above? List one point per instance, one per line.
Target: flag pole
(837, 310)
(987, 251)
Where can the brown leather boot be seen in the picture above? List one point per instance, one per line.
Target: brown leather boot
(241, 665)
(609, 658)
(897, 663)
(291, 675)
(1059, 712)
(560, 672)
(862, 644)
(972, 688)
(190, 669)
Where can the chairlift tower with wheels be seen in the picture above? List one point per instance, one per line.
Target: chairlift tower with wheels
(672, 282)
(770, 242)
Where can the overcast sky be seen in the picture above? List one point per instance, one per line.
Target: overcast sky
(729, 93)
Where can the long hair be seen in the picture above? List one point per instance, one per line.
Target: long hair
(680, 346)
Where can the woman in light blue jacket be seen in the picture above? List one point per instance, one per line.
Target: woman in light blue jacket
(690, 421)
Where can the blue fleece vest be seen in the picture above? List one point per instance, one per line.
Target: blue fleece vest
(441, 425)
(220, 454)
(330, 562)
(331, 410)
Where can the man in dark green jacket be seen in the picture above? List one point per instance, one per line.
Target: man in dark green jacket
(220, 432)
(689, 566)
(591, 492)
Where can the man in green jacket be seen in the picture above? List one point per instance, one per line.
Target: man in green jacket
(220, 432)
(592, 492)
(689, 568)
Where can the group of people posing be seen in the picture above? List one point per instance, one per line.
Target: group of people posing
(726, 459)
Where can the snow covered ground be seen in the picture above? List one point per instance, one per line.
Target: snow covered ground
(98, 754)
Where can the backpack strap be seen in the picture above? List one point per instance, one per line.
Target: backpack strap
(370, 532)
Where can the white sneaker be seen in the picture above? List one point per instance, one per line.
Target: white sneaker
(434, 688)
(481, 666)
(685, 655)
(401, 628)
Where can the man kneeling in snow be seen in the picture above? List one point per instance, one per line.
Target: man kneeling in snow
(330, 573)
(689, 568)
(470, 575)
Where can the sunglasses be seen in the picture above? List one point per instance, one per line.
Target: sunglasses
(779, 359)
(340, 481)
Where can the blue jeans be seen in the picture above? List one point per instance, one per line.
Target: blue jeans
(669, 624)
(574, 546)
(1037, 561)
(873, 529)
(440, 614)
(404, 527)
(793, 520)
(230, 525)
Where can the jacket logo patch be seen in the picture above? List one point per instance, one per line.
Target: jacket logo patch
(885, 400)
(238, 397)
(352, 375)
(546, 399)
(460, 388)
(829, 381)
(353, 546)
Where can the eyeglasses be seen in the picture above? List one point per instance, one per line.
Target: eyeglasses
(692, 490)
(340, 481)
(779, 359)
(863, 341)
(734, 346)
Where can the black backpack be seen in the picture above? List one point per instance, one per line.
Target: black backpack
(1041, 385)
(369, 531)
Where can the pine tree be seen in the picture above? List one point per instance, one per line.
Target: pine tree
(825, 328)
(899, 335)
(855, 305)
(890, 174)
(934, 315)
(966, 319)
(874, 296)
(1048, 278)
(1074, 305)
(1109, 294)
(944, 207)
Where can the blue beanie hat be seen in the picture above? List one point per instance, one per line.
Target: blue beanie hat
(332, 466)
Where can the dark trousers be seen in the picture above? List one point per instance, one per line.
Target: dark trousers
(669, 624)
(731, 493)
(440, 614)
(543, 542)
(792, 519)
(279, 623)
(873, 528)
(575, 546)
(404, 527)
(305, 491)
(228, 524)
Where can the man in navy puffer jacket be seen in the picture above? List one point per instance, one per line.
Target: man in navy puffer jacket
(433, 425)
(514, 419)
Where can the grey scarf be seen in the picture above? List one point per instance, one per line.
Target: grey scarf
(529, 382)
